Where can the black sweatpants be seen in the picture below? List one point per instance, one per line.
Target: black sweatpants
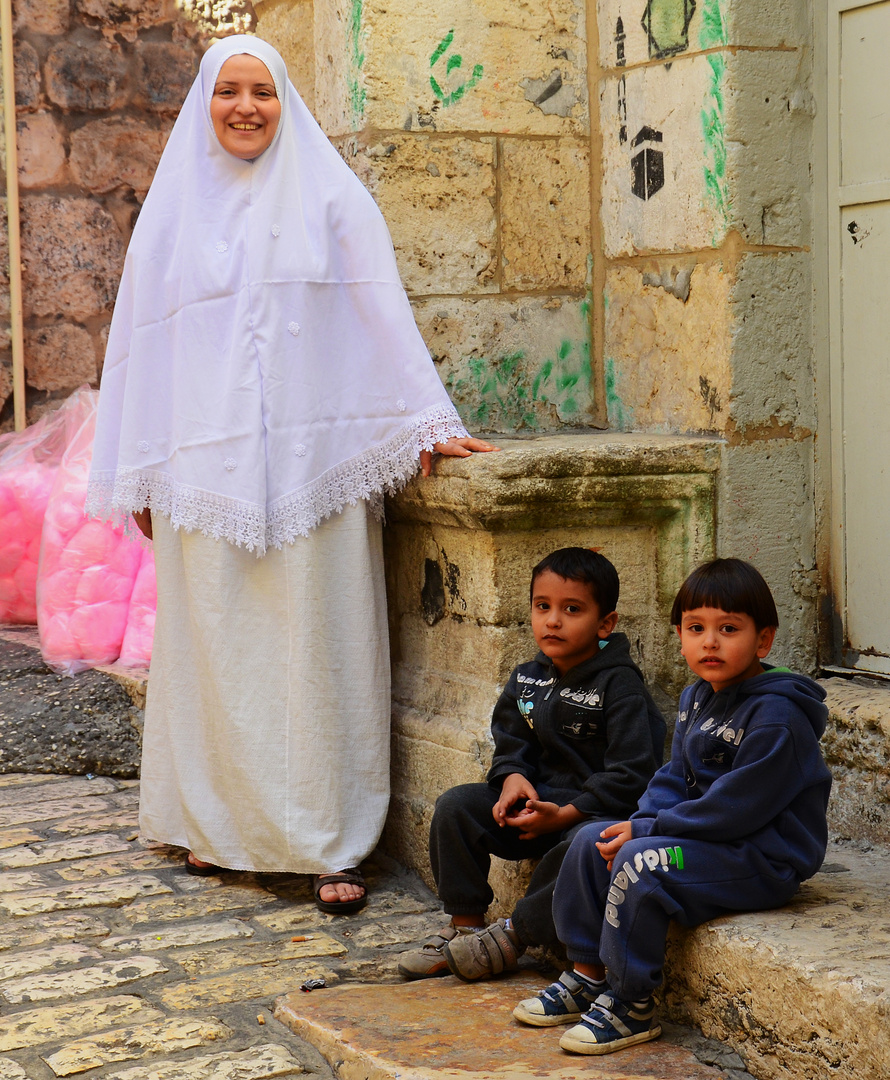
(464, 836)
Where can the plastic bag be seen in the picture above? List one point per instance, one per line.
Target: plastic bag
(29, 461)
(87, 569)
(136, 646)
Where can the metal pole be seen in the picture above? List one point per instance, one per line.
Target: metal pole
(12, 214)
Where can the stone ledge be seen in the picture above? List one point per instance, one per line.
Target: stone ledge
(532, 477)
(856, 745)
(802, 993)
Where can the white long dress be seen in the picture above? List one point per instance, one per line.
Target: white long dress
(266, 742)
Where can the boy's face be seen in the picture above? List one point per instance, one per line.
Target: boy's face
(566, 620)
(723, 647)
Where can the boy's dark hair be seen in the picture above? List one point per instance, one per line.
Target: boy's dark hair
(582, 564)
(728, 584)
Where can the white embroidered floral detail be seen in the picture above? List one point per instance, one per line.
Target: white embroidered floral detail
(300, 450)
(221, 246)
(294, 328)
(401, 405)
(276, 230)
(230, 463)
(143, 447)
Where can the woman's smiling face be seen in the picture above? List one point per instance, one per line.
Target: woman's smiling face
(245, 109)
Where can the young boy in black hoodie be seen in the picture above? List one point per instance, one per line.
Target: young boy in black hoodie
(577, 738)
(734, 822)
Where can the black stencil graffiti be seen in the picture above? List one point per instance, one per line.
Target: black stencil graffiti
(620, 38)
(622, 110)
(647, 164)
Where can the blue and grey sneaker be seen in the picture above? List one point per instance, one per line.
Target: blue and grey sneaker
(561, 1002)
(611, 1024)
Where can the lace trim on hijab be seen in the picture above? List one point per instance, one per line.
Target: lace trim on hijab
(378, 470)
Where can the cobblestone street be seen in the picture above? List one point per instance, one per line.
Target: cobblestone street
(116, 963)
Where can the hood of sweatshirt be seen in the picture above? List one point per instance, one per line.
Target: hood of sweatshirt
(808, 695)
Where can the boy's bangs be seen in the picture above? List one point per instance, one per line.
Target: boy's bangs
(731, 585)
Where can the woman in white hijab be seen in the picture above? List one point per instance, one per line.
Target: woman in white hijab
(264, 386)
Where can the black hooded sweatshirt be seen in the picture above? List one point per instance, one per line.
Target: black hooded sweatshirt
(592, 737)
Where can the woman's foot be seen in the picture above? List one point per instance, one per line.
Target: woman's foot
(340, 893)
(199, 868)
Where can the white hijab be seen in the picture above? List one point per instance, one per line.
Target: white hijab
(263, 366)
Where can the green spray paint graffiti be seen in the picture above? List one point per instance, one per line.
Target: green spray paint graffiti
(453, 63)
(620, 418)
(712, 34)
(507, 395)
(355, 90)
(715, 144)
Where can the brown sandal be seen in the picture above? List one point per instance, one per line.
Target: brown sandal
(350, 876)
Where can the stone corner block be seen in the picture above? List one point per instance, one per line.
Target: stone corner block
(437, 198)
(112, 153)
(545, 213)
(72, 255)
(707, 144)
(668, 346)
(512, 364)
(60, 357)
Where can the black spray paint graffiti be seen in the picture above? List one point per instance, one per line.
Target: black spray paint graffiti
(666, 23)
(647, 164)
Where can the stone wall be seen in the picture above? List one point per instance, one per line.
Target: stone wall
(705, 112)
(469, 123)
(98, 86)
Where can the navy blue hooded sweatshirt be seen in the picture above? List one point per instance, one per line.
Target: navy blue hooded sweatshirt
(745, 764)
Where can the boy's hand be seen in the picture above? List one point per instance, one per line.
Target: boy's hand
(617, 835)
(516, 788)
(539, 818)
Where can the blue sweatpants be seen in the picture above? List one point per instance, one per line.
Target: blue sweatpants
(620, 918)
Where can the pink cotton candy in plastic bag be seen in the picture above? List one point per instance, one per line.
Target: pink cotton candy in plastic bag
(29, 461)
(87, 570)
(136, 647)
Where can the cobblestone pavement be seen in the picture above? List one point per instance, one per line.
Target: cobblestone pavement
(116, 963)
(113, 959)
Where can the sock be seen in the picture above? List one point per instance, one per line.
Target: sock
(596, 985)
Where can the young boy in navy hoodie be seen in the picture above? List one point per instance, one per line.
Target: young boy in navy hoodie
(734, 822)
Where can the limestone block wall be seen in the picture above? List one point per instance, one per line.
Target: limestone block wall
(98, 86)
(705, 113)
(469, 123)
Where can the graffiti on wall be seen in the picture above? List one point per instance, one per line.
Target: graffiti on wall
(515, 391)
(356, 54)
(666, 23)
(442, 64)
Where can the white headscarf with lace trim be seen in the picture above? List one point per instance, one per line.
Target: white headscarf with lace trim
(263, 367)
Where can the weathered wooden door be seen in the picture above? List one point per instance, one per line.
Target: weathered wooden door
(856, 37)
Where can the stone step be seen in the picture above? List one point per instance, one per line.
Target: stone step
(802, 993)
(441, 1028)
(856, 745)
